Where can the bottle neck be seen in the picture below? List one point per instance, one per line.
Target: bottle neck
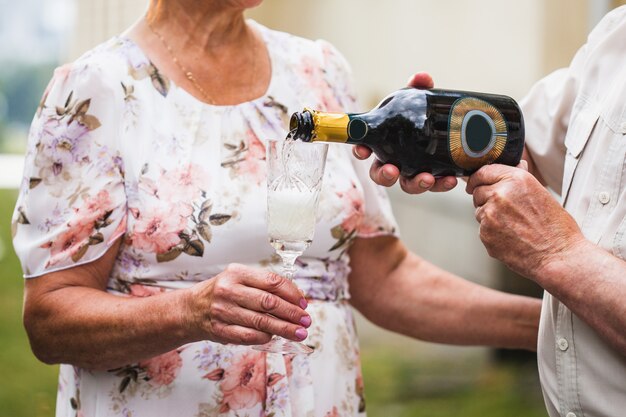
(313, 126)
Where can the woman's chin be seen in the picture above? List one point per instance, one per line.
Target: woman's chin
(246, 4)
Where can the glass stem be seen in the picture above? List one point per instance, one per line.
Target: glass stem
(289, 262)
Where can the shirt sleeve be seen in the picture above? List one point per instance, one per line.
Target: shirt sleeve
(377, 216)
(549, 105)
(72, 202)
(547, 109)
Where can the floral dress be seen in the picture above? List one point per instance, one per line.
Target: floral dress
(117, 150)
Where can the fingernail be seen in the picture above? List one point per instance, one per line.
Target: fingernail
(305, 321)
(303, 303)
(301, 333)
(424, 184)
(387, 175)
(357, 152)
(448, 185)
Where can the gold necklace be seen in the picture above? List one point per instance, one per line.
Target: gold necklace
(188, 74)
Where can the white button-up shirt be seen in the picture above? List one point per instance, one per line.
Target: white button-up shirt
(576, 134)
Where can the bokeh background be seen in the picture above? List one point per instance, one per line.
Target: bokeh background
(499, 46)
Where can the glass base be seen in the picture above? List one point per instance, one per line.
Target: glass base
(284, 346)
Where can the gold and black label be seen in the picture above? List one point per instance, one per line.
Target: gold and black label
(477, 133)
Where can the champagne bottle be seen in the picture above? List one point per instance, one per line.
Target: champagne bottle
(444, 132)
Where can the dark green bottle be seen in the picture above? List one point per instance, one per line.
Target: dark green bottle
(444, 132)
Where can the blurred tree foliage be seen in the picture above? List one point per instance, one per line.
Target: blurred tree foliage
(21, 87)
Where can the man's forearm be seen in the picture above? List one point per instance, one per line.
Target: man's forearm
(592, 284)
(423, 301)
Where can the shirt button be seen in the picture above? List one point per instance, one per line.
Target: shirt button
(563, 345)
(570, 414)
(604, 197)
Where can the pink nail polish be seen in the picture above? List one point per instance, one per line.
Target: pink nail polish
(303, 303)
(301, 333)
(305, 321)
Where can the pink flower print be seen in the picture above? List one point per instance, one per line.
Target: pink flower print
(252, 165)
(185, 184)
(352, 200)
(88, 218)
(332, 413)
(60, 75)
(274, 378)
(370, 226)
(163, 369)
(360, 388)
(215, 375)
(244, 381)
(69, 244)
(119, 230)
(94, 208)
(316, 81)
(289, 365)
(138, 290)
(158, 231)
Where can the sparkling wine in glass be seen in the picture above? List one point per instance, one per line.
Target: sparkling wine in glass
(294, 180)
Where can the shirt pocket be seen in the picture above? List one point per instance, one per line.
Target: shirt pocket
(578, 134)
(619, 240)
(613, 115)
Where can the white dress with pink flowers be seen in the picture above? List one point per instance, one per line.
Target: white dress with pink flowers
(117, 150)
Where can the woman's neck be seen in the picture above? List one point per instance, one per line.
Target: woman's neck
(206, 47)
(209, 25)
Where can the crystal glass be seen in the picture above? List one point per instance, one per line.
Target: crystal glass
(294, 180)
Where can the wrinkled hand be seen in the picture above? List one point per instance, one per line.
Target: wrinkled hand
(388, 174)
(246, 306)
(521, 224)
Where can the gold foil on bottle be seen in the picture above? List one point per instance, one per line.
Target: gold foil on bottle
(330, 127)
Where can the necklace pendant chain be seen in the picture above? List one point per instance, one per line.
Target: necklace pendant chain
(186, 72)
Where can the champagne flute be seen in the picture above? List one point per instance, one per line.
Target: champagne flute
(294, 180)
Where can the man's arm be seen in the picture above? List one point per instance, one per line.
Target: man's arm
(401, 292)
(522, 225)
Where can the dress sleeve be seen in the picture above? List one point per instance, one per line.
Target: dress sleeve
(72, 202)
(338, 80)
(377, 216)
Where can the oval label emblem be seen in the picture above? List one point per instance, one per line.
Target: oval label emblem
(477, 133)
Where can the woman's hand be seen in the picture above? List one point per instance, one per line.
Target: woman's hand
(246, 306)
(388, 174)
(71, 318)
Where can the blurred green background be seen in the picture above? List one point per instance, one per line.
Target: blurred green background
(27, 387)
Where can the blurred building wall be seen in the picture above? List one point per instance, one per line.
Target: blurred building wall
(98, 20)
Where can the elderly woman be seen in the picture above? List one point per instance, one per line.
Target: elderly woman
(140, 227)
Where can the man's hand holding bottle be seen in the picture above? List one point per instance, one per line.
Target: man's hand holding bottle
(388, 174)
